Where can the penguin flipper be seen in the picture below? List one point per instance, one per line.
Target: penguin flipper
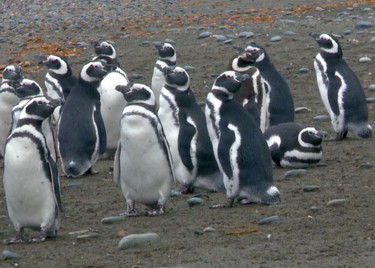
(333, 89)
(224, 151)
(166, 148)
(117, 165)
(55, 180)
(184, 141)
(101, 130)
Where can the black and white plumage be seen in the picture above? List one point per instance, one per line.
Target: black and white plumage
(279, 98)
(340, 90)
(239, 145)
(112, 101)
(294, 145)
(167, 59)
(12, 75)
(143, 164)
(185, 127)
(31, 180)
(81, 133)
(253, 94)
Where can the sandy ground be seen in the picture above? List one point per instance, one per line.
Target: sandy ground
(308, 234)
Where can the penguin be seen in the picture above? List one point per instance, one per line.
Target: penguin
(31, 179)
(143, 164)
(167, 57)
(112, 101)
(340, 90)
(253, 94)
(12, 75)
(81, 135)
(280, 102)
(293, 145)
(185, 126)
(239, 146)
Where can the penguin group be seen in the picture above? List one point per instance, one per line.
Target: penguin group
(158, 136)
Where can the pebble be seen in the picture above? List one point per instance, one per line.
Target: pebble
(304, 70)
(194, 201)
(289, 33)
(204, 35)
(370, 99)
(136, 76)
(337, 202)
(87, 236)
(170, 41)
(363, 24)
(311, 188)
(321, 117)
(175, 193)
(112, 219)
(288, 21)
(73, 184)
(220, 37)
(209, 230)
(10, 255)
(295, 173)
(269, 220)
(276, 38)
(364, 59)
(314, 208)
(228, 41)
(372, 40)
(78, 232)
(138, 240)
(245, 35)
(347, 32)
(367, 165)
(302, 109)
(371, 87)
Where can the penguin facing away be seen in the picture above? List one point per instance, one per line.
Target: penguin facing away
(167, 57)
(279, 98)
(30, 169)
(294, 145)
(185, 126)
(81, 133)
(239, 145)
(143, 163)
(340, 90)
(12, 76)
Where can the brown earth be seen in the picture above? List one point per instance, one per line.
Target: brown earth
(339, 236)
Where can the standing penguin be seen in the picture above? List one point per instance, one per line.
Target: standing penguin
(279, 98)
(185, 126)
(31, 180)
(81, 133)
(12, 75)
(142, 166)
(239, 145)
(294, 145)
(340, 90)
(167, 58)
(112, 101)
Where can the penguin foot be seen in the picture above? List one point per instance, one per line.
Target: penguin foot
(15, 240)
(90, 171)
(156, 212)
(40, 237)
(228, 204)
(187, 189)
(130, 213)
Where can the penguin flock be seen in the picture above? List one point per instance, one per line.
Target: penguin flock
(159, 137)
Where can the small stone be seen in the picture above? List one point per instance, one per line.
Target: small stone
(170, 41)
(175, 193)
(304, 70)
(311, 188)
(269, 220)
(364, 59)
(74, 183)
(138, 240)
(314, 208)
(276, 38)
(194, 201)
(113, 219)
(136, 76)
(87, 236)
(289, 33)
(10, 255)
(198, 232)
(209, 229)
(371, 87)
(82, 44)
(220, 37)
(301, 110)
(370, 99)
(79, 232)
(363, 24)
(347, 32)
(372, 40)
(228, 41)
(367, 165)
(294, 173)
(337, 202)
(204, 35)
(145, 43)
(288, 21)
(321, 117)
(245, 35)
(120, 233)
(156, 43)
(319, 9)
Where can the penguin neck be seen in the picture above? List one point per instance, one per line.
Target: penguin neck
(61, 76)
(169, 62)
(326, 55)
(219, 94)
(37, 123)
(89, 88)
(146, 106)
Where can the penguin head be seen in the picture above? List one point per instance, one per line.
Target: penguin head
(137, 93)
(242, 64)
(39, 108)
(57, 65)
(105, 48)
(228, 83)
(95, 71)
(328, 44)
(177, 78)
(255, 54)
(311, 137)
(28, 88)
(166, 52)
(12, 73)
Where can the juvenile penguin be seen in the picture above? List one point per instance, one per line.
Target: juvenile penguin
(81, 133)
(294, 145)
(239, 145)
(142, 166)
(31, 180)
(280, 102)
(112, 101)
(167, 58)
(185, 126)
(12, 75)
(340, 90)
(253, 94)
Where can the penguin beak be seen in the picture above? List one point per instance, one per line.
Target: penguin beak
(315, 36)
(322, 134)
(41, 58)
(55, 102)
(167, 71)
(124, 88)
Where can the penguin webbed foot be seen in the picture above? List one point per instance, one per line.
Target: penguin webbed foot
(90, 171)
(20, 238)
(40, 237)
(156, 212)
(187, 189)
(227, 204)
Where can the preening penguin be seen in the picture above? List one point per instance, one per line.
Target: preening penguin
(81, 133)
(239, 145)
(31, 180)
(340, 90)
(294, 145)
(142, 166)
